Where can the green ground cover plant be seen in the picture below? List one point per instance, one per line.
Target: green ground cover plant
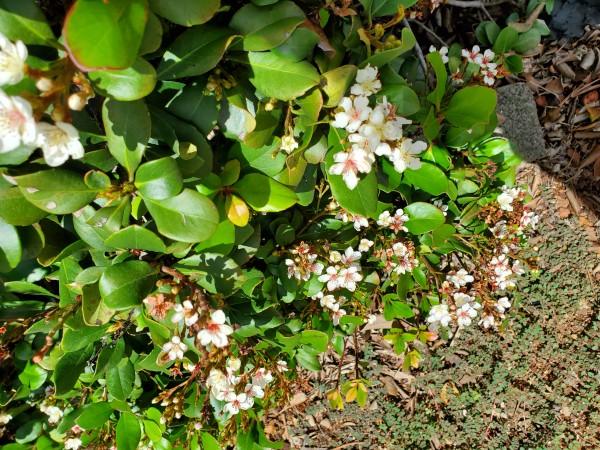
(198, 197)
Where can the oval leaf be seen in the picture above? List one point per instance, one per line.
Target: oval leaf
(423, 217)
(126, 284)
(265, 194)
(128, 84)
(136, 237)
(159, 179)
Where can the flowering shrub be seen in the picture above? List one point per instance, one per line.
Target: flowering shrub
(232, 189)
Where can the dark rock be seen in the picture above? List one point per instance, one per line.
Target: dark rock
(570, 16)
(521, 125)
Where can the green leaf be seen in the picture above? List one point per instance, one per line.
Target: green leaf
(361, 200)
(307, 358)
(423, 217)
(105, 35)
(505, 40)
(470, 106)
(69, 270)
(126, 85)
(96, 180)
(218, 274)
(10, 247)
(57, 191)
(153, 34)
(74, 340)
(33, 376)
(20, 154)
(94, 415)
(194, 106)
(129, 432)
(380, 59)
(159, 179)
(126, 284)
(336, 82)
(27, 432)
(69, 367)
(16, 210)
(380, 8)
(265, 159)
(186, 12)
(527, 41)
(396, 309)
(266, 27)
(188, 217)
(279, 78)
(514, 63)
(403, 98)
(127, 126)
(265, 194)
(23, 20)
(316, 340)
(209, 442)
(94, 310)
(436, 96)
(110, 356)
(136, 237)
(299, 45)
(119, 380)
(194, 52)
(428, 178)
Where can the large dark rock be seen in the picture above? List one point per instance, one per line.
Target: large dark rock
(570, 16)
(517, 106)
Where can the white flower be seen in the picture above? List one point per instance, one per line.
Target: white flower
(403, 157)
(73, 443)
(58, 142)
(366, 82)
(54, 414)
(354, 114)
(485, 60)
(253, 390)
(262, 377)
(371, 319)
(487, 321)
(460, 298)
(440, 205)
(365, 245)
(349, 277)
(282, 366)
(360, 222)
(185, 312)
(385, 219)
(351, 257)
(349, 164)
(500, 230)
(505, 200)
(465, 314)
(335, 256)
(237, 402)
(471, 55)
(529, 218)
(175, 348)
(217, 382)
(5, 418)
(489, 76)
(328, 301)
(502, 304)
(442, 51)
(234, 363)
(460, 278)
(17, 125)
(216, 330)
(12, 61)
(439, 313)
(330, 277)
(337, 315)
(288, 143)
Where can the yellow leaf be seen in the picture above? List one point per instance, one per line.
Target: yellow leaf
(237, 211)
(351, 395)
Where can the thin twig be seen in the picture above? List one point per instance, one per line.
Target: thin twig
(429, 30)
(420, 55)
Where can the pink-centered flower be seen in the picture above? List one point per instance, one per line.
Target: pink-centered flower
(354, 114)
(12, 61)
(237, 402)
(216, 330)
(366, 82)
(58, 142)
(17, 125)
(349, 164)
(403, 157)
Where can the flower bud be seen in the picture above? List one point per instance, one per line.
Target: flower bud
(44, 84)
(76, 102)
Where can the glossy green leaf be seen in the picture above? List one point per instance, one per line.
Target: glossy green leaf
(126, 284)
(129, 432)
(263, 193)
(96, 180)
(94, 309)
(380, 8)
(152, 35)
(127, 85)
(470, 106)
(33, 376)
(105, 35)
(423, 217)
(69, 367)
(505, 40)
(196, 107)
(380, 59)
(188, 217)
(336, 82)
(74, 340)
(216, 273)
(57, 191)
(428, 178)
(127, 126)
(314, 339)
(209, 442)
(265, 159)
(266, 27)
(307, 358)
(159, 179)
(279, 78)
(23, 20)
(136, 237)
(119, 380)
(527, 41)
(194, 52)
(186, 12)
(403, 98)
(514, 64)
(94, 415)
(436, 96)
(10, 247)
(299, 45)
(16, 210)
(361, 200)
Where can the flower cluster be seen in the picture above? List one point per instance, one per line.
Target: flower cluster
(54, 413)
(304, 263)
(373, 130)
(330, 303)
(488, 70)
(18, 126)
(343, 271)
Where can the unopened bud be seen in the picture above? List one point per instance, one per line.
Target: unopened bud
(44, 84)
(76, 102)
